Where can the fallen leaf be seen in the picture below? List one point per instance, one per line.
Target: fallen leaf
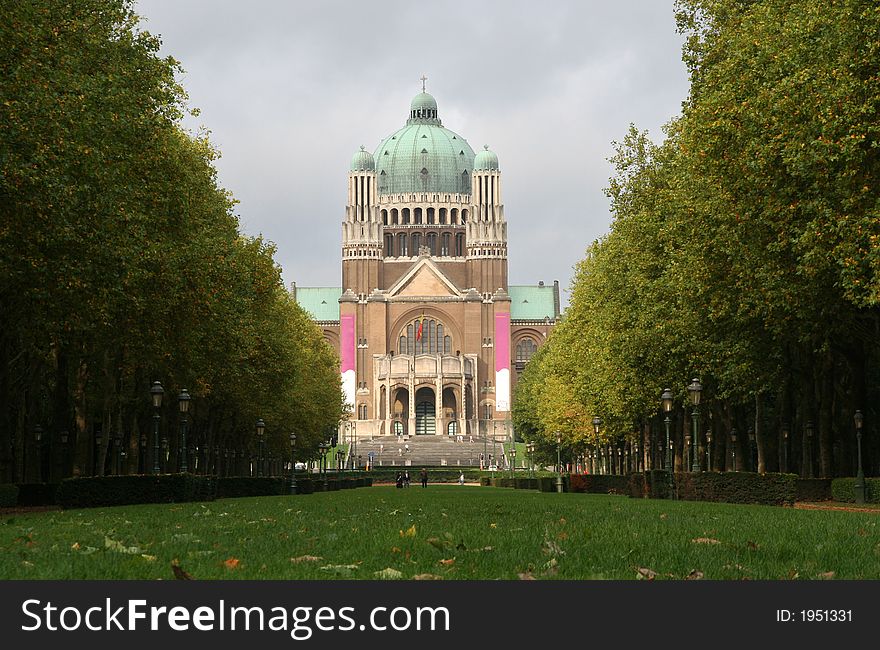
(448, 562)
(427, 576)
(562, 520)
(410, 532)
(388, 574)
(231, 563)
(562, 536)
(119, 547)
(306, 558)
(663, 515)
(148, 558)
(644, 573)
(340, 569)
(793, 575)
(395, 549)
(828, 575)
(436, 543)
(74, 546)
(551, 548)
(705, 540)
(179, 573)
(493, 525)
(694, 575)
(527, 575)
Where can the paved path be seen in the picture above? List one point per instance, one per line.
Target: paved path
(837, 506)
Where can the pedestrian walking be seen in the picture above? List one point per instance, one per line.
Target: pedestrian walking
(399, 481)
(424, 477)
(406, 479)
(461, 479)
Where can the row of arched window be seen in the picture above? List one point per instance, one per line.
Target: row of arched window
(525, 349)
(425, 336)
(408, 244)
(405, 216)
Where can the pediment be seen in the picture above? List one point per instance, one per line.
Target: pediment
(424, 280)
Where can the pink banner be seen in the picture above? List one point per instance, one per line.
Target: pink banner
(346, 343)
(502, 342)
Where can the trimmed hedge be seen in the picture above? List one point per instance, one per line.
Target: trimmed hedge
(813, 489)
(843, 490)
(8, 495)
(599, 483)
(548, 483)
(37, 494)
(127, 490)
(250, 486)
(737, 487)
(526, 483)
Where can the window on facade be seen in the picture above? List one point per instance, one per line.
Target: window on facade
(417, 213)
(525, 349)
(464, 216)
(430, 216)
(425, 336)
(459, 245)
(394, 216)
(404, 215)
(362, 412)
(389, 245)
(401, 245)
(443, 215)
(446, 240)
(415, 242)
(432, 242)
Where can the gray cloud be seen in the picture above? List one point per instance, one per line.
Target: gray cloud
(290, 90)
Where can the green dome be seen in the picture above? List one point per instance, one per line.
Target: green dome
(486, 159)
(424, 156)
(362, 161)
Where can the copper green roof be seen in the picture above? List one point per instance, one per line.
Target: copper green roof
(362, 161)
(532, 302)
(424, 156)
(322, 303)
(486, 159)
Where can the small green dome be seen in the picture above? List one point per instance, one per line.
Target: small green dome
(363, 161)
(423, 107)
(486, 159)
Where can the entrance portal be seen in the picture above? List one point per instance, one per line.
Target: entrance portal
(426, 424)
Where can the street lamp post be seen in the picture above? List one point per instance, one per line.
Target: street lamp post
(597, 424)
(666, 401)
(530, 451)
(293, 463)
(709, 451)
(559, 485)
(859, 486)
(753, 450)
(183, 406)
(513, 462)
(695, 389)
(338, 463)
(261, 429)
(156, 392)
(785, 447)
(38, 436)
(733, 447)
(809, 448)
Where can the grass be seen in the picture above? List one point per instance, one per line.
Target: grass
(451, 532)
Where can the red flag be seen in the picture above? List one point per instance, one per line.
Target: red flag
(419, 331)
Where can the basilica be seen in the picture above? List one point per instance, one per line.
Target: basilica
(430, 335)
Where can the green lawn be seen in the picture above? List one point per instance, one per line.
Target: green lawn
(447, 531)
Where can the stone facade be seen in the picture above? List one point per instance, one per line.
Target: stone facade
(430, 335)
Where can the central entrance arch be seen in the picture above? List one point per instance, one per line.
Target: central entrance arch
(426, 417)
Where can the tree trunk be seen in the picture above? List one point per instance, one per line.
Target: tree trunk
(759, 433)
(826, 387)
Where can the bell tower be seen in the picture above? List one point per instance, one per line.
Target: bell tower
(487, 229)
(362, 230)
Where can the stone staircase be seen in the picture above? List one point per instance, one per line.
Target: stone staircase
(430, 451)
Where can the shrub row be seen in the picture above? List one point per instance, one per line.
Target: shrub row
(127, 490)
(599, 483)
(729, 487)
(519, 483)
(8, 495)
(260, 486)
(813, 489)
(843, 490)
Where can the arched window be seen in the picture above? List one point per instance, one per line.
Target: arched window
(425, 336)
(446, 241)
(401, 245)
(393, 216)
(384, 217)
(453, 216)
(464, 214)
(432, 242)
(525, 349)
(404, 215)
(389, 245)
(415, 242)
(417, 215)
(459, 245)
(443, 215)
(430, 216)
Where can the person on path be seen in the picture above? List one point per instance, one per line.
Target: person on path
(461, 479)
(399, 481)
(406, 478)
(424, 477)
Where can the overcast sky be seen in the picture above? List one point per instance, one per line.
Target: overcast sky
(290, 90)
